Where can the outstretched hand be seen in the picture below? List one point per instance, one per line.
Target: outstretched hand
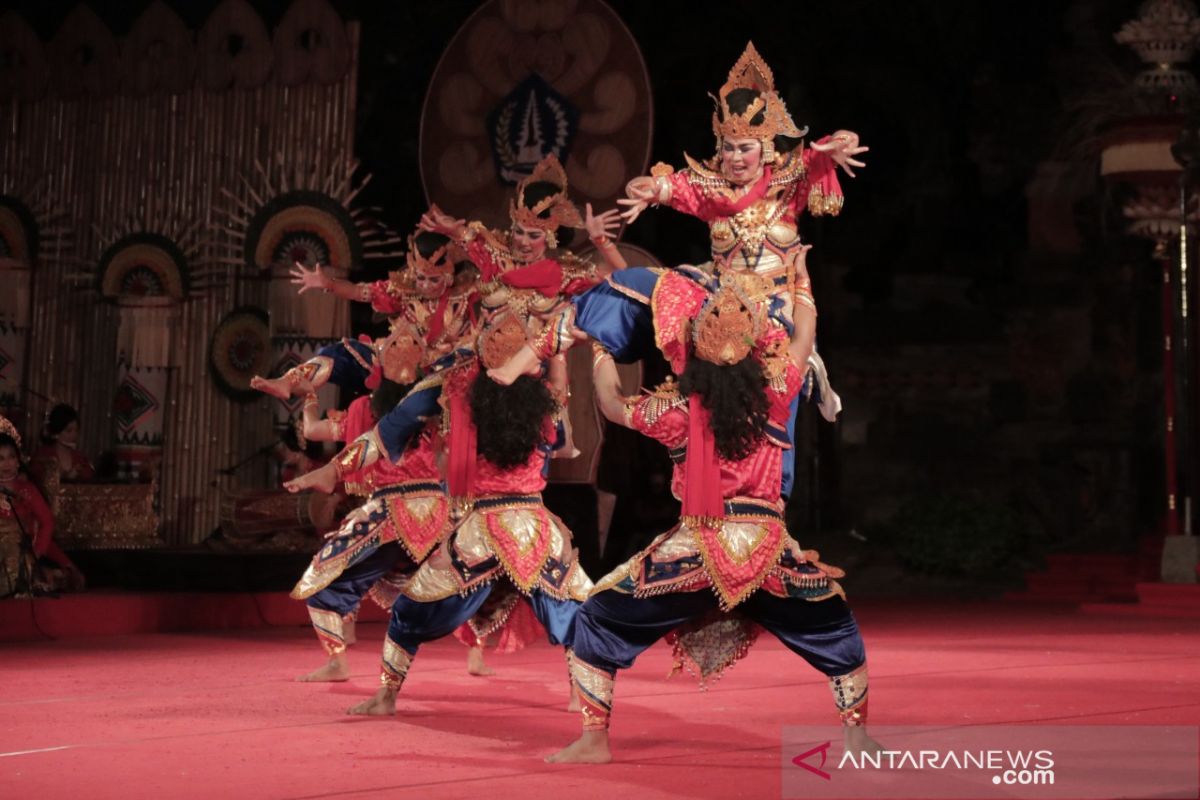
(437, 221)
(309, 278)
(601, 225)
(842, 147)
(639, 194)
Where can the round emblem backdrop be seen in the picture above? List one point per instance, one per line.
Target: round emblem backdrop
(143, 265)
(239, 350)
(522, 79)
(303, 226)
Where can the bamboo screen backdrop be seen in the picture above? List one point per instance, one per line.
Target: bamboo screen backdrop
(158, 132)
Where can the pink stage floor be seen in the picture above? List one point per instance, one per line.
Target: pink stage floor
(217, 715)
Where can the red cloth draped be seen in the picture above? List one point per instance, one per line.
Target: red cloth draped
(460, 477)
(543, 276)
(702, 495)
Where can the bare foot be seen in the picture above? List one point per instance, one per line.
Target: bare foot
(382, 704)
(525, 362)
(856, 741)
(323, 479)
(349, 634)
(573, 700)
(276, 387)
(475, 663)
(590, 748)
(335, 670)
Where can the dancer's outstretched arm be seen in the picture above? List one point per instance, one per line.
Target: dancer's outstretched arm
(315, 278)
(600, 229)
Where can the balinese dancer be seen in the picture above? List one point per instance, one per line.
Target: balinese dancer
(523, 271)
(518, 274)
(383, 541)
(426, 295)
(751, 194)
(730, 554)
(498, 440)
(26, 525)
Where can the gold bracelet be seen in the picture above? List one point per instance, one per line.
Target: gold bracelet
(598, 355)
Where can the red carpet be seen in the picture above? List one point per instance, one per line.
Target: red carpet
(216, 715)
(1093, 577)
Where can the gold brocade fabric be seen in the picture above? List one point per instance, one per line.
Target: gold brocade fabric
(329, 628)
(708, 646)
(850, 695)
(524, 542)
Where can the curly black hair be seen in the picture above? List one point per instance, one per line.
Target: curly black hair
(385, 398)
(736, 399)
(740, 99)
(509, 420)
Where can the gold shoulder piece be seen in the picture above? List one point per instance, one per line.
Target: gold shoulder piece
(701, 171)
(661, 399)
(668, 388)
(791, 170)
(574, 266)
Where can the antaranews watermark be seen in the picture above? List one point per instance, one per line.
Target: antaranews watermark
(1010, 761)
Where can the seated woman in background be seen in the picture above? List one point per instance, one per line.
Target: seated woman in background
(27, 529)
(60, 443)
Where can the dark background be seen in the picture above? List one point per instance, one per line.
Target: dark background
(1002, 396)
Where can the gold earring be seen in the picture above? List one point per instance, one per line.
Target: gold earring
(551, 239)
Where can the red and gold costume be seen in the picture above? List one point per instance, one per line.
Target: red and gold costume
(533, 291)
(439, 324)
(506, 541)
(730, 564)
(445, 321)
(753, 228)
(405, 516)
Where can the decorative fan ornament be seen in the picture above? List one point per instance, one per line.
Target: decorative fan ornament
(240, 349)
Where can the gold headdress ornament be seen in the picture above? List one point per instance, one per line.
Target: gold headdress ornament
(751, 72)
(563, 212)
(439, 264)
(400, 353)
(725, 330)
(501, 340)
(8, 429)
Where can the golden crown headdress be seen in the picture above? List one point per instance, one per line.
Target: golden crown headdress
(501, 339)
(563, 212)
(8, 429)
(751, 72)
(725, 330)
(439, 264)
(401, 352)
